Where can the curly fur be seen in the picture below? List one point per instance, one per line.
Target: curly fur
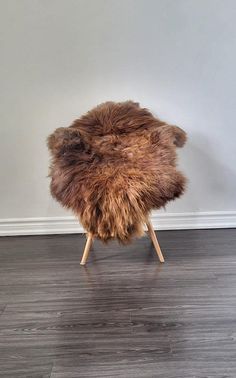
(113, 166)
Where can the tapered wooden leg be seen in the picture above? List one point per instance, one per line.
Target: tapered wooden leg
(87, 248)
(155, 241)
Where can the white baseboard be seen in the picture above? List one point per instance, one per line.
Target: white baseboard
(161, 221)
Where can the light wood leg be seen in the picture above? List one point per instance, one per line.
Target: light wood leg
(155, 241)
(87, 249)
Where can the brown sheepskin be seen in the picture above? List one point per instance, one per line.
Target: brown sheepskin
(113, 166)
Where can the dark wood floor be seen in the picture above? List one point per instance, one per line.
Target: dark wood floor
(124, 315)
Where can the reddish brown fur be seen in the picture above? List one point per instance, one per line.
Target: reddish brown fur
(113, 166)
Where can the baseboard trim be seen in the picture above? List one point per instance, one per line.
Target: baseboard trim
(161, 221)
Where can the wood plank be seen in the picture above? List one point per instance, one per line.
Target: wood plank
(124, 314)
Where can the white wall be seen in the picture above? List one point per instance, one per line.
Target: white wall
(61, 57)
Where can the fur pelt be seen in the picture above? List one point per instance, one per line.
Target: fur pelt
(113, 166)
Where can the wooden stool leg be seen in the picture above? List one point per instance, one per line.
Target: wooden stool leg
(87, 249)
(155, 241)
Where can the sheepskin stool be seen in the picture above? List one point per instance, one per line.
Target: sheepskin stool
(114, 165)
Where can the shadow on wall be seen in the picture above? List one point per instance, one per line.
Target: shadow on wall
(209, 180)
